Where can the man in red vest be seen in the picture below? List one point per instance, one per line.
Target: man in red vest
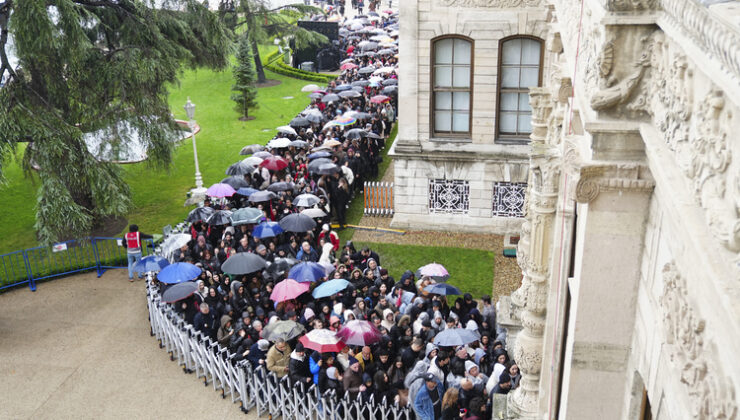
(132, 243)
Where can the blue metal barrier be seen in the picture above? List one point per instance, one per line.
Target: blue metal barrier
(64, 258)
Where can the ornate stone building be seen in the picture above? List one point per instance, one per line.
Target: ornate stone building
(630, 301)
(461, 158)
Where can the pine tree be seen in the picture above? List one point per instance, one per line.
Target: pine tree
(245, 91)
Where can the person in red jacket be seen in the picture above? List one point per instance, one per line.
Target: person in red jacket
(132, 243)
(332, 236)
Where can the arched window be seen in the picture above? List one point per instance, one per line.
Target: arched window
(520, 67)
(452, 78)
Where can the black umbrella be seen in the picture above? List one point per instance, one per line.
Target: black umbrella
(386, 51)
(235, 182)
(299, 122)
(201, 213)
(252, 148)
(179, 291)
(372, 135)
(328, 169)
(390, 90)
(314, 117)
(261, 196)
(361, 83)
(355, 133)
(341, 88)
(313, 166)
(331, 97)
(362, 115)
(240, 168)
(366, 70)
(281, 266)
(350, 94)
(219, 217)
(389, 82)
(280, 186)
(369, 46)
(297, 222)
(300, 144)
(243, 263)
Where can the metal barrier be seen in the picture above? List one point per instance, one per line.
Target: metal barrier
(64, 258)
(254, 388)
(378, 198)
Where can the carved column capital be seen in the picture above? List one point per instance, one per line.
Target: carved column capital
(621, 177)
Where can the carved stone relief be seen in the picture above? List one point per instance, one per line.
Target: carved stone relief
(491, 3)
(711, 394)
(619, 177)
(630, 5)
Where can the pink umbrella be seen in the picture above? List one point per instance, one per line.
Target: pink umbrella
(348, 66)
(379, 99)
(323, 341)
(274, 163)
(220, 190)
(288, 289)
(359, 333)
(433, 270)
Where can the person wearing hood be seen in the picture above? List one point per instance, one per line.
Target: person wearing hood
(361, 310)
(330, 379)
(307, 253)
(307, 318)
(500, 359)
(278, 358)
(298, 367)
(388, 319)
(225, 331)
(481, 359)
(258, 353)
(437, 323)
(407, 281)
(315, 363)
(327, 254)
(474, 375)
(369, 391)
(440, 366)
(329, 236)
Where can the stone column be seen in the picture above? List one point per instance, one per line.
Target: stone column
(408, 86)
(544, 178)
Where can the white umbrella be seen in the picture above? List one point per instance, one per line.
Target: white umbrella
(306, 200)
(313, 213)
(286, 129)
(310, 88)
(279, 143)
(253, 161)
(384, 70)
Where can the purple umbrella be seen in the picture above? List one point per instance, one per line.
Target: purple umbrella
(435, 271)
(359, 333)
(220, 190)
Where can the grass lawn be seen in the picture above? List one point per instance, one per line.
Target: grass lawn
(470, 270)
(158, 196)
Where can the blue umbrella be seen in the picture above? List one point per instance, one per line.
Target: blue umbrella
(454, 337)
(246, 191)
(150, 263)
(267, 230)
(306, 271)
(317, 155)
(178, 273)
(442, 289)
(329, 288)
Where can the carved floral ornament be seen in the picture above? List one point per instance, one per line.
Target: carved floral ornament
(711, 394)
(491, 3)
(597, 178)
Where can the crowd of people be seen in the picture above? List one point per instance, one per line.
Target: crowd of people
(404, 366)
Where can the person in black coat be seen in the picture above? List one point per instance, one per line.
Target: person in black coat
(258, 353)
(205, 322)
(298, 368)
(412, 354)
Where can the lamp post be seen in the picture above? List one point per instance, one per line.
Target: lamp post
(190, 111)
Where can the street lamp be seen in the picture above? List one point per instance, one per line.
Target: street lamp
(190, 111)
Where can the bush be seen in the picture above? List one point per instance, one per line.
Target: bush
(276, 64)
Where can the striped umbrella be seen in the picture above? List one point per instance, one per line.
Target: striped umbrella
(323, 341)
(359, 333)
(344, 120)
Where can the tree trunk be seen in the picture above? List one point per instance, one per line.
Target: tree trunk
(258, 63)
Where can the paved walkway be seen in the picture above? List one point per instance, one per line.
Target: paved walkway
(79, 347)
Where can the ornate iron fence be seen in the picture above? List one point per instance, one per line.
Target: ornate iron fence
(254, 388)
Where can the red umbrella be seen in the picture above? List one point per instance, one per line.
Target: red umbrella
(359, 333)
(288, 289)
(379, 99)
(323, 341)
(274, 163)
(348, 66)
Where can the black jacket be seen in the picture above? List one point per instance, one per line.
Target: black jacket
(298, 370)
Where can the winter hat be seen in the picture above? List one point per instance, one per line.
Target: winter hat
(469, 365)
(299, 347)
(308, 313)
(333, 319)
(331, 373)
(479, 353)
(352, 361)
(263, 344)
(325, 227)
(429, 377)
(426, 323)
(260, 247)
(245, 314)
(260, 311)
(366, 378)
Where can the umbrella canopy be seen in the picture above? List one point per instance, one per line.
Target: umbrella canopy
(315, 95)
(252, 148)
(314, 213)
(235, 182)
(348, 66)
(366, 70)
(287, 330)
(327, 169)
(179, 292)
(267, 230)
(389, 82)
(281, 265)
(434, 270)
(315, 117)
(355, 133)
(280, 186)
(306, 200)
(359, 333)
(361, 83)
(178, 240)
(286, 129)
(331, 97)
(297, 222)
(443, 289)
(368, 46)
(220, 217)
(246, 191)
(350, 94)
(253, 161)
(288, 289)
(390, 90)
(384, 70)
(274, 163)
(279, 143)
(360, 115)
(151, 263)
(262, 196)
(316, 155)
(220, 190)
(263, 154)
(329, 288)
(200, 213)
(342, 87)
(243, 263)
(306, 272)
(240, 168)
(453, 337)
(323, 341)
(331, 143)
(246, 215)
(310, 88)
(178, 273)
(379, 99)
(300, 144)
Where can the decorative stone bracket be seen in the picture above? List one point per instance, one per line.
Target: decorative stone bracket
(621, 177)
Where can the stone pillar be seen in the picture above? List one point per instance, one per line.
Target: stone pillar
(531, 297)
(408, 86)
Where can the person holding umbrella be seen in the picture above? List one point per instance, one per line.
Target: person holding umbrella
(278, 358)
(132, 243)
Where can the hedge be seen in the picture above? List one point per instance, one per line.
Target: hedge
(276, 64)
